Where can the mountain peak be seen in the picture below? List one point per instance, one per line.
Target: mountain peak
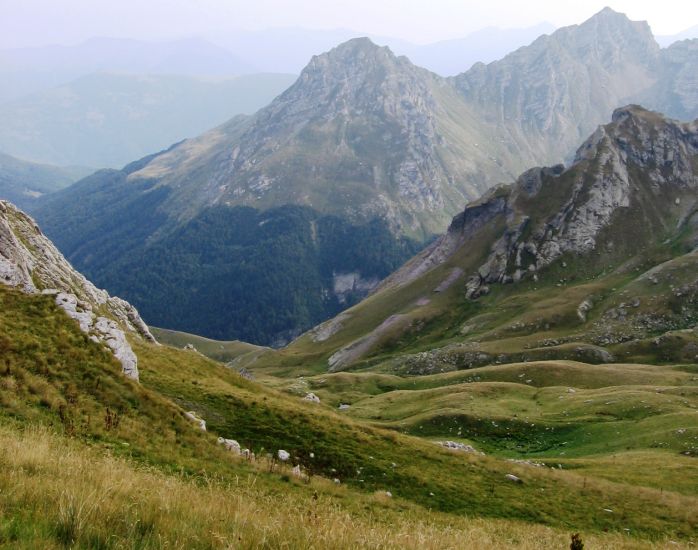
(609, 23)
(608, 12)
(358, 44)
(360, 52)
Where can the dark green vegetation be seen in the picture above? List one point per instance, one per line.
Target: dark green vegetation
(22, 182)
(52, 375)
(278, 267)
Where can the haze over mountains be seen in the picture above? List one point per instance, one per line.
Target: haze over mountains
(404, 147)
(107, 119)
(124, 98)
(469, 304)
(23, 182)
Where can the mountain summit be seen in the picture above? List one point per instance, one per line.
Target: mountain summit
(546, 97)
(362, 133)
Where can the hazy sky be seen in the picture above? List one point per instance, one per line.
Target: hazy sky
(37, 22)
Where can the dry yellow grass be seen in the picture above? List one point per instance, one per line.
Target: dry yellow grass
(57, 493)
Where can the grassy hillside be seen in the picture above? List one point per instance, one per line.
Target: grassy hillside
(22, 182)
(214, 349)
(53, 377)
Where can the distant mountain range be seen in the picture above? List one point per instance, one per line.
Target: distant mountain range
(107, 120)
(364, 137)
(28, 70)
(23, 182)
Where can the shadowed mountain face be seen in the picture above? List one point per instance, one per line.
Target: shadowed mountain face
(365, 135)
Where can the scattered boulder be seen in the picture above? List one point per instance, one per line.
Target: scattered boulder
(244, 373)
(191, 415)
(512, 477)
(312, 398)
(231, 445)
(283, 455)
(459, 447)
(343, 406)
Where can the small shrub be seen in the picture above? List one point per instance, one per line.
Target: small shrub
(577, 543)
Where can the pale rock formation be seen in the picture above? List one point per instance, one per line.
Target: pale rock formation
(194, 417)
(29, 261)
(231, 445)
(312, 398)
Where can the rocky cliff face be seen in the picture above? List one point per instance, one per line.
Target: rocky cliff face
(593, 262)
(633, 184)
(545, 98)
(30, 262)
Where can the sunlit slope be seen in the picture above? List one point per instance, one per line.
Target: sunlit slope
(54, 376)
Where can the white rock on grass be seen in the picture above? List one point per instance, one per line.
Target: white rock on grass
(283, 455)
(191, 415)
(460, 447)
(512, 477)
(230, 445)
(312, 398)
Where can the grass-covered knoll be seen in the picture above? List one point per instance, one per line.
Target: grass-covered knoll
(53, 376)
(590, 418)
(215, 349)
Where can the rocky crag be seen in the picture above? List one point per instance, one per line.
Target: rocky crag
(29, 261)
(640, 163)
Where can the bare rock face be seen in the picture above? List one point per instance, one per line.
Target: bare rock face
(30, 261)
(640, 164)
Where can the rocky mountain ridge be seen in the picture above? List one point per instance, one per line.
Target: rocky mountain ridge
(31, 263)
(637, 161)
(391, 139)
(608, 246)
(543, 99)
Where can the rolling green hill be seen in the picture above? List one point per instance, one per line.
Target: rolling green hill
(571, 427)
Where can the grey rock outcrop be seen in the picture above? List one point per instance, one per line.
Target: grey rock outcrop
(29, 261)
(599, 186)
(196, 419)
